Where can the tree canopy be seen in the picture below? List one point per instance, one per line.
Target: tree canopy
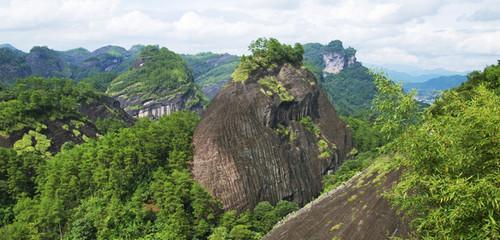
(267, 54)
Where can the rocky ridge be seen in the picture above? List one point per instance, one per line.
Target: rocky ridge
(270, 138)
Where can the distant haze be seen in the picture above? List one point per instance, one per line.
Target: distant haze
(453, 35)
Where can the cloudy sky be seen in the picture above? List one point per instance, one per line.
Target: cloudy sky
(457, 35)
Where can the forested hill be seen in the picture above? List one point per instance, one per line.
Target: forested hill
(211, 71)
(75, 64)
(158, 83)
(40, 115)
(335, 66)
(347, 82)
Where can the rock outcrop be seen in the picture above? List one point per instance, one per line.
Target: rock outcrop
(354, 210)
(154, 108)
(271, 138)
(336, 62)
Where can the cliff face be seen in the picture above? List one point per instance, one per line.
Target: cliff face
(355, 210)
(154, 108)
(336, 62)
(268, 139)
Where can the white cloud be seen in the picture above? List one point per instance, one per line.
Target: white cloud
(136, 23)
(453, 34)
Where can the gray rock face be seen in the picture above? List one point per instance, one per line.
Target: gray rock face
(251, 147)
(155, 108)
(336, 62)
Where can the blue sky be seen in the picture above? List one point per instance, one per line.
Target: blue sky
(458, 35)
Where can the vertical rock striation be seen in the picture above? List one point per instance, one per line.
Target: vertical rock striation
(254, 145)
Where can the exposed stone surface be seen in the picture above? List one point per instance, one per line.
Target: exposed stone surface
(154, 108)
(337, 61)
(242, 159)
(355, 210)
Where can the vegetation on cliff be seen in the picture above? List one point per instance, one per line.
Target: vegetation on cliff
(267, 55)
(450, 186)
(159, 75)
(448, 155)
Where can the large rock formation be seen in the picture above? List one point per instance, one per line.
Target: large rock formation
(355, 210)
(268, 139)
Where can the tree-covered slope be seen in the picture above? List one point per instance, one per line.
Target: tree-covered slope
(159, 83)
(451, 161)
(211, 71)
(41, 115)
(131, 184)
(75, 64)
(13, 65)
(348, 83)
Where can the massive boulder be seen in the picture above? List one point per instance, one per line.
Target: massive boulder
(270, 138)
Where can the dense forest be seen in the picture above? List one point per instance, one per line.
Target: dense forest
(111, 177)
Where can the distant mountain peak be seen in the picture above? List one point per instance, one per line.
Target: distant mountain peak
(8, 45)
(332, 57)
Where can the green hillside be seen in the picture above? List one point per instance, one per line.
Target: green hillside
(211, 71)
(159, 75)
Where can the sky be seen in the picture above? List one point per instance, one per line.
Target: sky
(457, 35)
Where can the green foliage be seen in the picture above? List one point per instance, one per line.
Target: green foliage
(308, 123)
(33, 142)
(109, 125)
(347, 170)
(366, 137)
(159, 74)
(396, 111)
(122, 186)
(325, 152)
(267, 55)
(99, 81)
(211, 69)
(286, 132)
(450, 186)
(272, 84)
(34, 100)
(133, 183)
(18, 172)
(160, 68)
(351, 91)
(489, 78)
(252, 224)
